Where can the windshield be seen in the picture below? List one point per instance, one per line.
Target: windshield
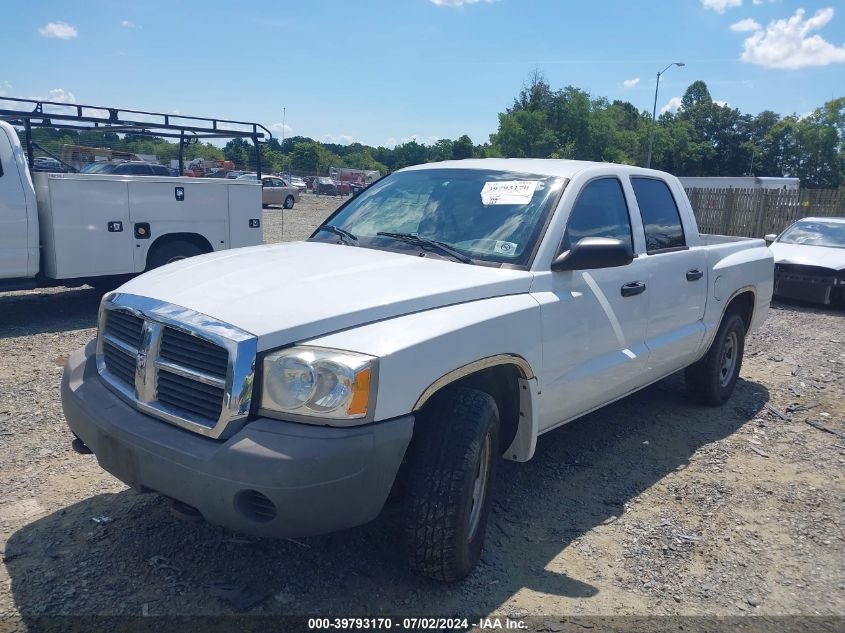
(815, 233)
(98, 168)
(490, 216)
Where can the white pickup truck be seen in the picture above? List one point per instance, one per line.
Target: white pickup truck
(70, 229)
(448, 315)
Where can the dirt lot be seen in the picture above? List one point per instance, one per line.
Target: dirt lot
(648, 506)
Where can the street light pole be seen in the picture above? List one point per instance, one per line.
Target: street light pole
(654, 112)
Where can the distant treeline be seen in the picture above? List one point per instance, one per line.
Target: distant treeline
(703, 138)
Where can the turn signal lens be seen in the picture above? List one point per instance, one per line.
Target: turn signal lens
(360, 393)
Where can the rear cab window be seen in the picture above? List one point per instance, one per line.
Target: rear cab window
(660, 215)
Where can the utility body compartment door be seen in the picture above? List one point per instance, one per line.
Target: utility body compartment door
(159, 207)
(245, 215)
(85, 226)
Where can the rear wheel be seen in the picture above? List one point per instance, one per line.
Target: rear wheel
(451, 469)
(712, 379)
(289, 202)
(170, 252)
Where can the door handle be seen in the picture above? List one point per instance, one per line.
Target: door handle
(694, 274)
(633, 288)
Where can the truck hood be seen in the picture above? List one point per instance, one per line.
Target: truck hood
(806, 255)
(285, 293)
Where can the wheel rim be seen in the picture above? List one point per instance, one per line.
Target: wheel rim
(727, 366)
(479, 488)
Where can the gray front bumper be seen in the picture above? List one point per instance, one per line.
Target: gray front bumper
(318, 479)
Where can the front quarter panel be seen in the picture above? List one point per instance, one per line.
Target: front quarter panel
(416, 350)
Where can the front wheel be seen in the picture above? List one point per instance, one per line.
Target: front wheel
(712, 379)
(289, 202)
(452, 464)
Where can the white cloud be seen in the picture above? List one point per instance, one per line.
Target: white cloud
(5, 88)
(720, 6)
(59, 30)
(672, 106)
(393, 141)
(724, 104)
(758, 1)
(127, 24)
(459, 3)
(279, 127)
(341, 139)
(746, 25)
(788, 44)
(59, 95)
(630, 83)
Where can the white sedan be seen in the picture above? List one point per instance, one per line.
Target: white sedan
(810, 261)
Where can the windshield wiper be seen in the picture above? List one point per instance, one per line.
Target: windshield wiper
(344, 235)
(413, 238)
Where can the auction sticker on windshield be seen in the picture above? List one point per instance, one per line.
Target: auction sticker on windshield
(508, 191)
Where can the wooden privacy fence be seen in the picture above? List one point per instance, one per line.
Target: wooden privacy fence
(756, 212)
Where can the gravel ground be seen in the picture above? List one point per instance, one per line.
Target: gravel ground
(648, 506)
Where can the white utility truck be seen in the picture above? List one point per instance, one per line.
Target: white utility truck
(70, 228)
(448, 315)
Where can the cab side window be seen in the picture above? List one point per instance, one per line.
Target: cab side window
(599, 211)
(661, 218)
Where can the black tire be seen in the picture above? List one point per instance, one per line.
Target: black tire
(443, 534)
(171, 251)
(712, 380)
(288, 202)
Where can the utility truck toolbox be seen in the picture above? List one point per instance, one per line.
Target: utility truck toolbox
(111, 225)
(445, 317)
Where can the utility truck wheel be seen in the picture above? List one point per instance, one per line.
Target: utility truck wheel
(452, 463)
(170, 252)
(712, 379)
(289, 202)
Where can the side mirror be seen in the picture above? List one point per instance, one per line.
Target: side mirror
(770, 237)
(594, 252)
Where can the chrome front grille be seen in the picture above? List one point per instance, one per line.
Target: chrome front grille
(194, 353)
(176, 364)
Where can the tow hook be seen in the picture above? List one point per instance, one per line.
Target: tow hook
(80, 447)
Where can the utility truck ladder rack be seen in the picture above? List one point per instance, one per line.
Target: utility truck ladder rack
(29, 113)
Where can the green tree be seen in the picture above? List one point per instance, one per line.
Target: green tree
(462, 148)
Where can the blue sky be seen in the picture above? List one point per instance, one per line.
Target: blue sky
(383, 71)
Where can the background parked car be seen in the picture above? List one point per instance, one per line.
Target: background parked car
(810, 261)
(299, 183)
(217, 173)
(325, 186)
(125, 168)
(343, 187)
(46, 163)
(274, 191)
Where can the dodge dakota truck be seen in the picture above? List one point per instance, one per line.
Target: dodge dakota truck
(445, 317)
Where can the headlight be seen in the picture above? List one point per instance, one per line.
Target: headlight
(317, 382)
